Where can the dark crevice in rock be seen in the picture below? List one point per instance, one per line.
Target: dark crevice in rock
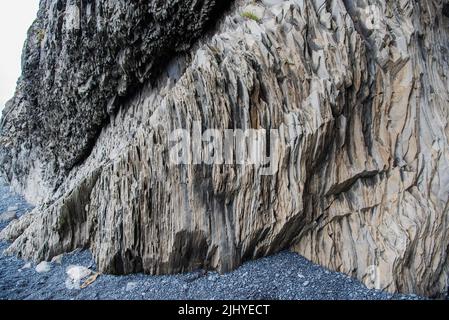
(446, 10)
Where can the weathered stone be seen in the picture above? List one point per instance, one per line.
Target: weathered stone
(43, 267)
(358, 91)
(77, 273)
(26, 266)
(57, 259)
(74, 276)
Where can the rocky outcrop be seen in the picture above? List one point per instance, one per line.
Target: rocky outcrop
(355, 92)
(80, 60)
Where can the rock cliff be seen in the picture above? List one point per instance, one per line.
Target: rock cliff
(355, 93)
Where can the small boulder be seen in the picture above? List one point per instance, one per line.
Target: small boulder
(43, 267)
(75, 275)
(57, 259)
(27, 265)
(78, 272)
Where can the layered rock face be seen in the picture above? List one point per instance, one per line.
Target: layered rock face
(356, 91)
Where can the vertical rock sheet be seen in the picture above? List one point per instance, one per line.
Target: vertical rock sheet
(358, 91)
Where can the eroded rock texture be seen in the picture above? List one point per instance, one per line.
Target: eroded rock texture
(358, 90)
(80, 60)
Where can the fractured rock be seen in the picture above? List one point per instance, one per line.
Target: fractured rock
(357, 91)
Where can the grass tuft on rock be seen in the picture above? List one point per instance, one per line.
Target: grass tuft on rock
(251, 16)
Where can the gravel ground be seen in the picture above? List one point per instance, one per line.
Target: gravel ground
(285, 276)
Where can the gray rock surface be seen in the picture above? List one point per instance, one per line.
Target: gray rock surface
(80, 60)
(358, 91)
